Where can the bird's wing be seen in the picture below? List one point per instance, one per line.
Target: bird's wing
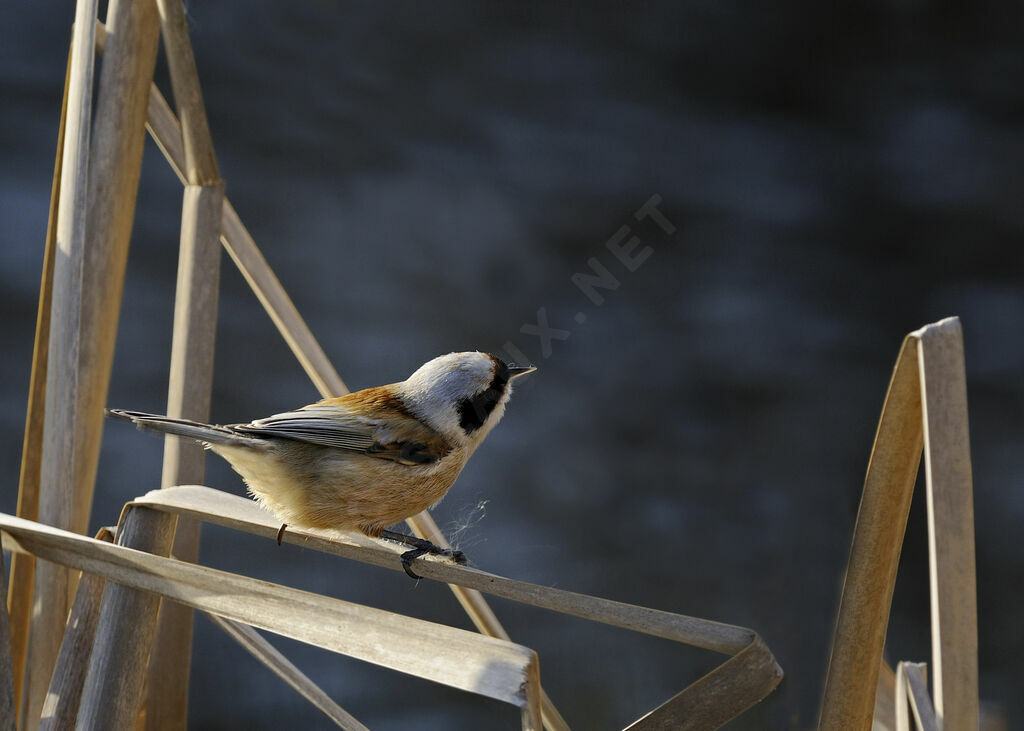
(325, 426)
(371, 422)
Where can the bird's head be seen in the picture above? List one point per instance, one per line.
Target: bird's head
(462, 395)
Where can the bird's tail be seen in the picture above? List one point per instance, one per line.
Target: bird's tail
(207, 433)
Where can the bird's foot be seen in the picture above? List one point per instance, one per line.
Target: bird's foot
(421, 547)
(280, 533)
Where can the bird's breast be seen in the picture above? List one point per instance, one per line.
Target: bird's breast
(316, 487)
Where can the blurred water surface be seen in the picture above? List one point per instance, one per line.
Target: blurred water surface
(427, 178)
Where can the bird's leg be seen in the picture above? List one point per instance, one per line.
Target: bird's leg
(420, 547)
(280, 533)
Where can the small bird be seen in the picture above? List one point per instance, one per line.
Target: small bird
(369, 459)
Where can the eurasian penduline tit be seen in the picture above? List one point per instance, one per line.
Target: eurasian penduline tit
(368, 459)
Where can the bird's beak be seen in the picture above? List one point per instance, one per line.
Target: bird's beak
(517, 371)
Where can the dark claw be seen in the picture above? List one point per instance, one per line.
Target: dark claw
(280, 533)
(408, 557)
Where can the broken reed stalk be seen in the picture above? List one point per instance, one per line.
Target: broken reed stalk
(912, 698)
(60, 442)
(190, 383)
(925, 409)
(22, 581)
(113, 686)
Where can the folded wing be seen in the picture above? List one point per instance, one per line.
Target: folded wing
(348, 424)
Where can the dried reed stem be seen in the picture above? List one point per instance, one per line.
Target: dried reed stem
(87, 297)
(200, 160)
(530, 714)
(926, 406)
(189, 389)
(719, 696)
(115, 165)
(912, 699)
(113, 687)
(950, 499)
(192, 356)
(60, 710)
(266, 653)
(885, 701)
(61, 443)
(22, 582)
(849, 697)
(242, 514)
(8, 710)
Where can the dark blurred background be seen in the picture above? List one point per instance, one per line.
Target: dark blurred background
(426, 177)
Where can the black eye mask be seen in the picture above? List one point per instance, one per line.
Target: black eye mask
(473, 412)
